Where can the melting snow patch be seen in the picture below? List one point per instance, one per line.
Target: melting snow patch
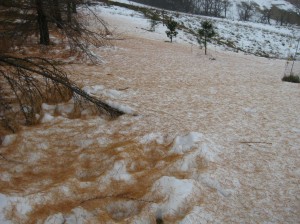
(176, 192)
(115, 94)
(48, 108)
(203, 147)
(119, 172)
(47, 118)
(100, 90)
(186, 143)
(55, 219)
(8, 139)
(22, 206)
(124, 108)
(102, 141)
(93, 89)
(250, 110)
(65, 108)
(5, 176)
(79, 215)
(158, 137)
(34, 157)
(209, 151)
(121, 210)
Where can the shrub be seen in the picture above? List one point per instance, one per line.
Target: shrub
(172, 26)
(291, 78)
(206, 32)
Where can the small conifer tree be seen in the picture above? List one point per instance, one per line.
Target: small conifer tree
(171, 25)
(205, 33)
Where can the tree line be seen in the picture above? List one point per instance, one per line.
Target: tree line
(217, 8)
(220, 8)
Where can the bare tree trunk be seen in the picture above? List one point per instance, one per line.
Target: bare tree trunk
(205, 45)
(69, 11)
(42, 23)
(57, 14)
(74, 10)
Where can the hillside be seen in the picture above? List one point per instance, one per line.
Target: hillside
(261, 11)
(206, 139)
(270, 41)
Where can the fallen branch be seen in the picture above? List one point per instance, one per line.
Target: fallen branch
(8, 160)
(46, 69)
(122, 89)
(116, 196)
(268, 143)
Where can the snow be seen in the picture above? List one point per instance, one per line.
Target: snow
(185, 143)
(5, 176)
(79, 215)
(119, 172)
(8, 139)
(177, 192)
(47, 118)
(125, 108)
(99, 90)
(130, 2)
(157, 137)
(282, 4)
(111, 95)
(251, 37)
(22, 206)
(215, 141)
(55, 219)
(198, 213)
(203, 146)
(47, 107)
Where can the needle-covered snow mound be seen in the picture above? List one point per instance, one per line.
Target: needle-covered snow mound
(201, 145)
(176, 193)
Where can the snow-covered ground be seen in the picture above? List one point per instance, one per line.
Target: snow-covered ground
(250, 37)
(232, 11)
(207, 139)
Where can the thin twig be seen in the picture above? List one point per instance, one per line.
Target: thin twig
(268, 143)
(116, 196)
(8, 160)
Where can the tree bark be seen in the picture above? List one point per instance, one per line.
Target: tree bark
(205, 44)
(69, 11)
(74, 10)
(42, 23)
(57, 14)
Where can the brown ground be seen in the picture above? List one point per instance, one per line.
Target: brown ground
(238, 102)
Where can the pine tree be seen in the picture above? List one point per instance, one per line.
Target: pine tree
(171, 25)
(205, 33)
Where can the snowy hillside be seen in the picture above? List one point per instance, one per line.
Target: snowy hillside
(233, 5)
(253, 38)
(283, 4)
(205, 138)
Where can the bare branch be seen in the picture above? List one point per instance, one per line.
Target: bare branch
(46, 69)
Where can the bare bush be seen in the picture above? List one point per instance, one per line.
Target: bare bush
(246, 11)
